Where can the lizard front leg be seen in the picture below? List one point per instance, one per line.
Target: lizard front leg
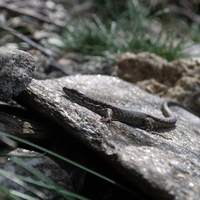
(149, 124)
(107, 115)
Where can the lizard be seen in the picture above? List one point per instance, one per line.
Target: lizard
(130, 117)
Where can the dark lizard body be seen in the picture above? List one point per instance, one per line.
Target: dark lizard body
(130, 117)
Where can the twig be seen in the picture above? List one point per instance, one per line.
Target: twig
(29, 13)
(185, 12)
(51, 62)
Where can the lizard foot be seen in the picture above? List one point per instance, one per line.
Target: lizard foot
(106, 120)
(154, 133)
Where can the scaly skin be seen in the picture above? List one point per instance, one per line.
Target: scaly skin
(130, 117)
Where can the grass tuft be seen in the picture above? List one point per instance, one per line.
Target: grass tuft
(126, 32)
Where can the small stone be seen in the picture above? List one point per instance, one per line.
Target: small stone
(16, 70)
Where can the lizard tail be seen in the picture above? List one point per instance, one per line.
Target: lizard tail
(166, 110)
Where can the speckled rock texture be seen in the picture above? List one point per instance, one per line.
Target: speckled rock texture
(161, 168)
(16, 69)
(178, 80)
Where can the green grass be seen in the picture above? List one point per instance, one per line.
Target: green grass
(194, 33)
(42, 180)
(125, 32)
(28, 183)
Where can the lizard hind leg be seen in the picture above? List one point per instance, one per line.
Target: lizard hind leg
(149, 125)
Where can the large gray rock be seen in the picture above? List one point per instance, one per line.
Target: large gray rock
(16, 69)
(161, 168)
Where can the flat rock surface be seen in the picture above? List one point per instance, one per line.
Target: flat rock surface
(161, 168)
